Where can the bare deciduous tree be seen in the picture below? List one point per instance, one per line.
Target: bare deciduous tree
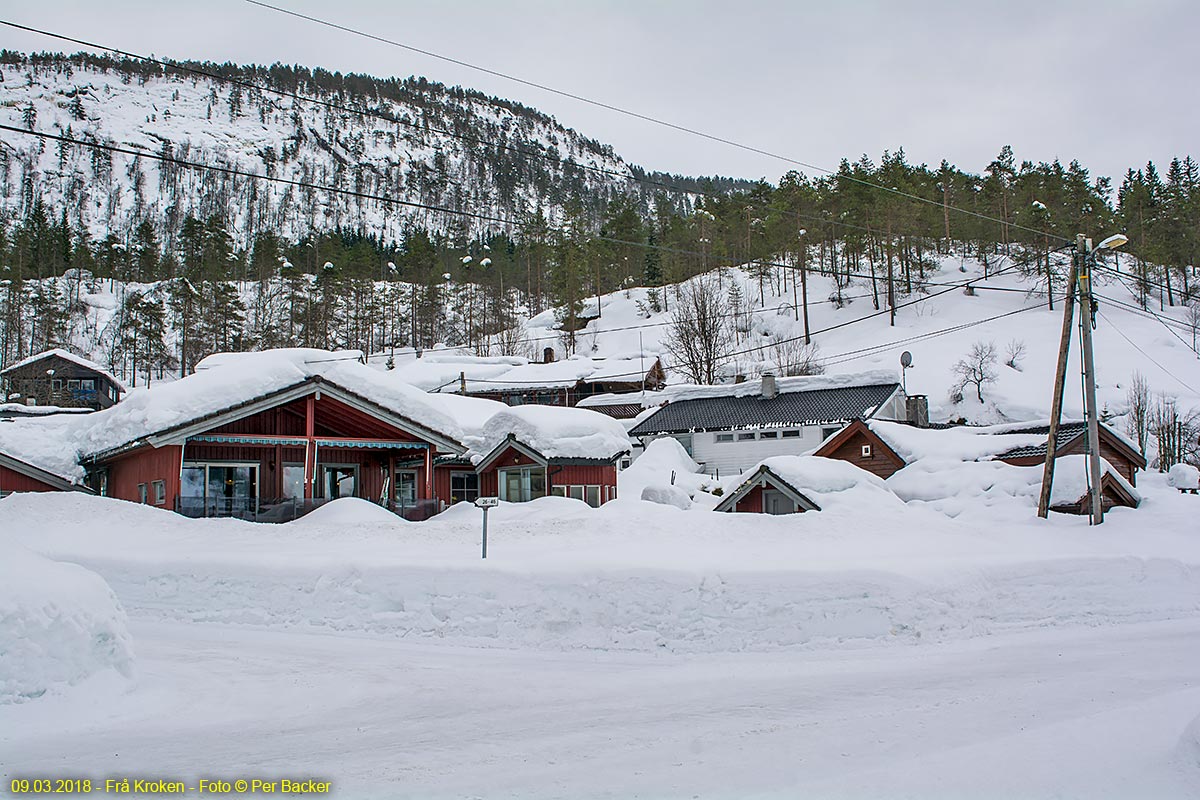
(791, 356)
(1175, 433)
(978, 368)
(699, 335)
(1014, 354)
(1137, 420)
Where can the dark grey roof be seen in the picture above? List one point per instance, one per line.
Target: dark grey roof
(839, 404)
(1066, 432)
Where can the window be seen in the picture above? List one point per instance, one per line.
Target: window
(575, 492)
(160, 493)
(73, 385)
(293, 481)
(56, 384)
(592, 496)
(339, 480)
(558, 491)
(215, 489)
(625, 463)
(464, 487)
(684, 439)
(791, 434)
(769, 435)
(521, 484)
(866, 451)
(745, 437)
(88, 384)
(141, 493)
(405, 493)
(827, 432)
(724, 437)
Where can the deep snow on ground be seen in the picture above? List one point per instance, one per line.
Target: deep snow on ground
(59, 624)
(1096, 714)
(883, 650)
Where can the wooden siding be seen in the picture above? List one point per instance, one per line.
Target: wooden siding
(13, 481)
(1120, 462)
(584, 475)
(145, 465)
(31, 380)
(880, 462)
(751, 503)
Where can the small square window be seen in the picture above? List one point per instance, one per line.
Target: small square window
(73, 384)
(56, 384)
(88, 384)
(160, 493)
(745, 437)
(769, 435)
(866, 451)
(791, 434)
(558, 491)
(724, 437)
(575, 491)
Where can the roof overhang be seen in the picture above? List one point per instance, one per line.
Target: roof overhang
(312, 385)
(41, 475)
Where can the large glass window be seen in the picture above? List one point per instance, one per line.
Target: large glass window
(522, 484)
(464, 487)
(219, 490)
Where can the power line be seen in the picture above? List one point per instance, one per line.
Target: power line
(630, 176)
(363, 195)
(240, 173)
(1149, 357)
(646, 117)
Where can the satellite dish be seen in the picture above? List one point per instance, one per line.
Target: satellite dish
(906, 359)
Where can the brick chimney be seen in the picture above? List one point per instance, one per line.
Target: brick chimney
(548, 355)
(769, 389)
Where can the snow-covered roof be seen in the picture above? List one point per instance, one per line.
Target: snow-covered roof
(805, 383)
(21, 410)
(616, 399)
(66, 355)
(830, 483)
(307, 355)
(165, 406)
(531, 377)
(627, 370)
(48, 443)
(806, 401)
(554, 432)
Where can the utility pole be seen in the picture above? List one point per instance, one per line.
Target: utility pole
(1087, 317)
(803, 282)
(1060, 379)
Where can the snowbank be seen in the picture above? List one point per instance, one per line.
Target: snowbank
(639, 576)
(348, 511)
(49, 443)
(59, 624)
(667, 495)
(664, 463)
(1184, 476)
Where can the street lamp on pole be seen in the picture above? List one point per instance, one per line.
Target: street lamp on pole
(1087, 321)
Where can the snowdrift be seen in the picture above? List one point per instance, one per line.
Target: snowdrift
(633, 575)
(59, 624)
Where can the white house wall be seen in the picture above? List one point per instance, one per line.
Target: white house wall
(730, 458)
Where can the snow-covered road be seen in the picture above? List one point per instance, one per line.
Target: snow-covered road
(1095, 713)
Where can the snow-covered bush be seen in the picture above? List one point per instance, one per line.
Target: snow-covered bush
(667, 496)
(1184, 476)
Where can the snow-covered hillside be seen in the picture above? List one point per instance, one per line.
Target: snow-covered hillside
(414, 140)
(939, 331)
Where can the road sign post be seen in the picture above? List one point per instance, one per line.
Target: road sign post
(485, 503)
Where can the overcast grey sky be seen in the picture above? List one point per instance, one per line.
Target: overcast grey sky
(1111, 83)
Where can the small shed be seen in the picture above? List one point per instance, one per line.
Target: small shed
(859, 445)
